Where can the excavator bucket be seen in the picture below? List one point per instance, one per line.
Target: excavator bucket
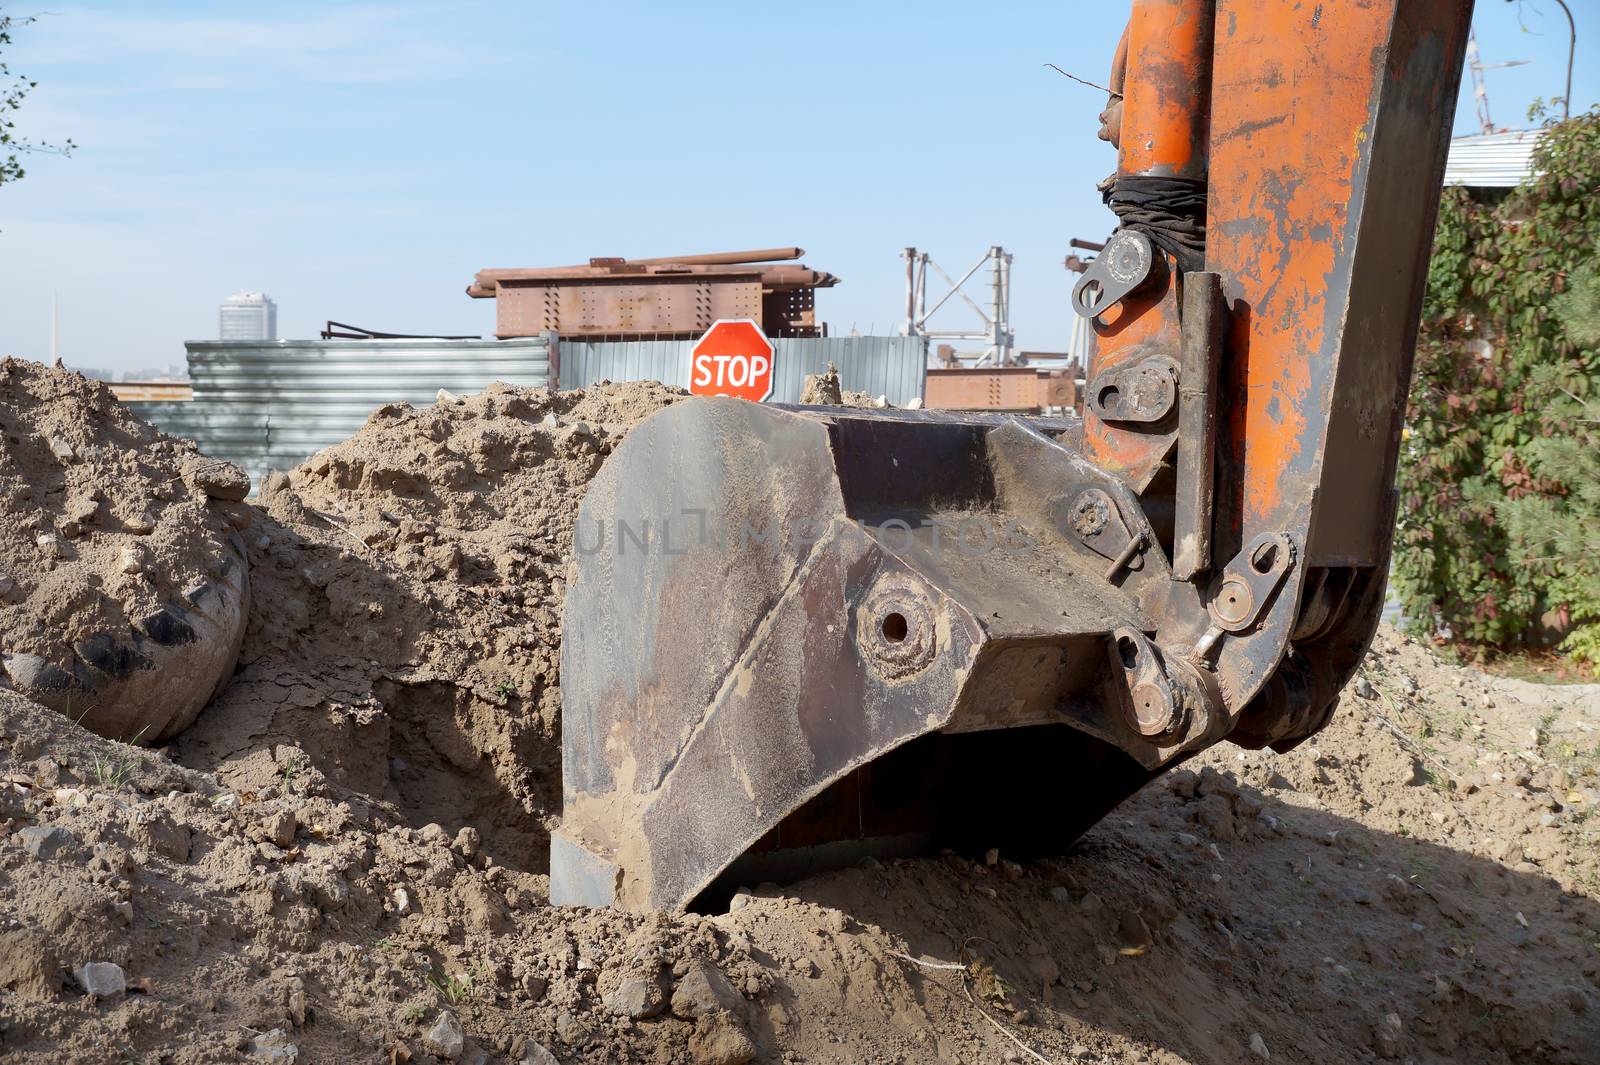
(847, 633)
(800, 635)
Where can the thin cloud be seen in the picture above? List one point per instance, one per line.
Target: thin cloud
(370, 44)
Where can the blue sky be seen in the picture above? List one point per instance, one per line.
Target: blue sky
(360, 161)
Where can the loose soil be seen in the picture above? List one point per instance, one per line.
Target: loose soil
(343, 858)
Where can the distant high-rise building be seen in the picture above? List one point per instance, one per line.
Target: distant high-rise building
(247, 316)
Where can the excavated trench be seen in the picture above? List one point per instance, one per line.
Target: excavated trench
(456, 759)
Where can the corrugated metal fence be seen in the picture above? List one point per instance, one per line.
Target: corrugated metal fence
(895, 367)
(271, 404)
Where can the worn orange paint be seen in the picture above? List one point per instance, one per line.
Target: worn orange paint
(1293, 92)
(1163, 65)
(1143, 325)
(1111, 117)
(1165, 94)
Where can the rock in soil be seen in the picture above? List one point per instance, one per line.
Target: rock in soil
(43, 842)
(217, 479)
(535, 1054)
(275, 1048)
(822, 388)
(280, 828)
(638, 996)
(101, 979)
(446, 1038)
(702, 989)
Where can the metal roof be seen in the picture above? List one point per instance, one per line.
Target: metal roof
(1492, 160)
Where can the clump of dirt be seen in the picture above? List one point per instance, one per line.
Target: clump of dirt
(825, 390)
(822, 388)
(117, 546)
(476, 497)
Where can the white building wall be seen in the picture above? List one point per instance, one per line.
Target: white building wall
(247, 316)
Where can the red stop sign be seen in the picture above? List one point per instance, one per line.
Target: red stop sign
(734, 358)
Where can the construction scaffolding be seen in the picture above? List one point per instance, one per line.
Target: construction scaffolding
(996, 332)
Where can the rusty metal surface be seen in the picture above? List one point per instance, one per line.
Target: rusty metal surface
(1205, 318)
(610, 297)
(644, 306)
(1058, 389)
(1164, 65)
(764, 260)
(1163, 132)
(724, 258)
(1123, 267)
(1321, 233)
(1111, 118)
(1021, 389)
(837, 585)
(1143, 326)
(483, 286)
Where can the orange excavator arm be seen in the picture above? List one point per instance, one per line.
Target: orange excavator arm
(799, 635)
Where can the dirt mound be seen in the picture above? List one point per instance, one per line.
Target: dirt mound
(343, 858)
(238, 921)
(410, 580)
(118, 548)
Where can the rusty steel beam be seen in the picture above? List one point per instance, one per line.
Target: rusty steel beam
(679, 296)
(653, 304)
(648, 306)
(486, 282)
(724, 258)
(1205, 320)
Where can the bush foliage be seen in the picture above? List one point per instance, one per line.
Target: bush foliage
(1499, 535)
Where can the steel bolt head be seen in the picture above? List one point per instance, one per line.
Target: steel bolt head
(1155, 713)
(1233, 601)
(1128, 257)
(1090, 513)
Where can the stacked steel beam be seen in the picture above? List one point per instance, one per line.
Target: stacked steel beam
(677, 297)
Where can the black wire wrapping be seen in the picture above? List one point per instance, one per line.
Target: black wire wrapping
(1170, 211)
